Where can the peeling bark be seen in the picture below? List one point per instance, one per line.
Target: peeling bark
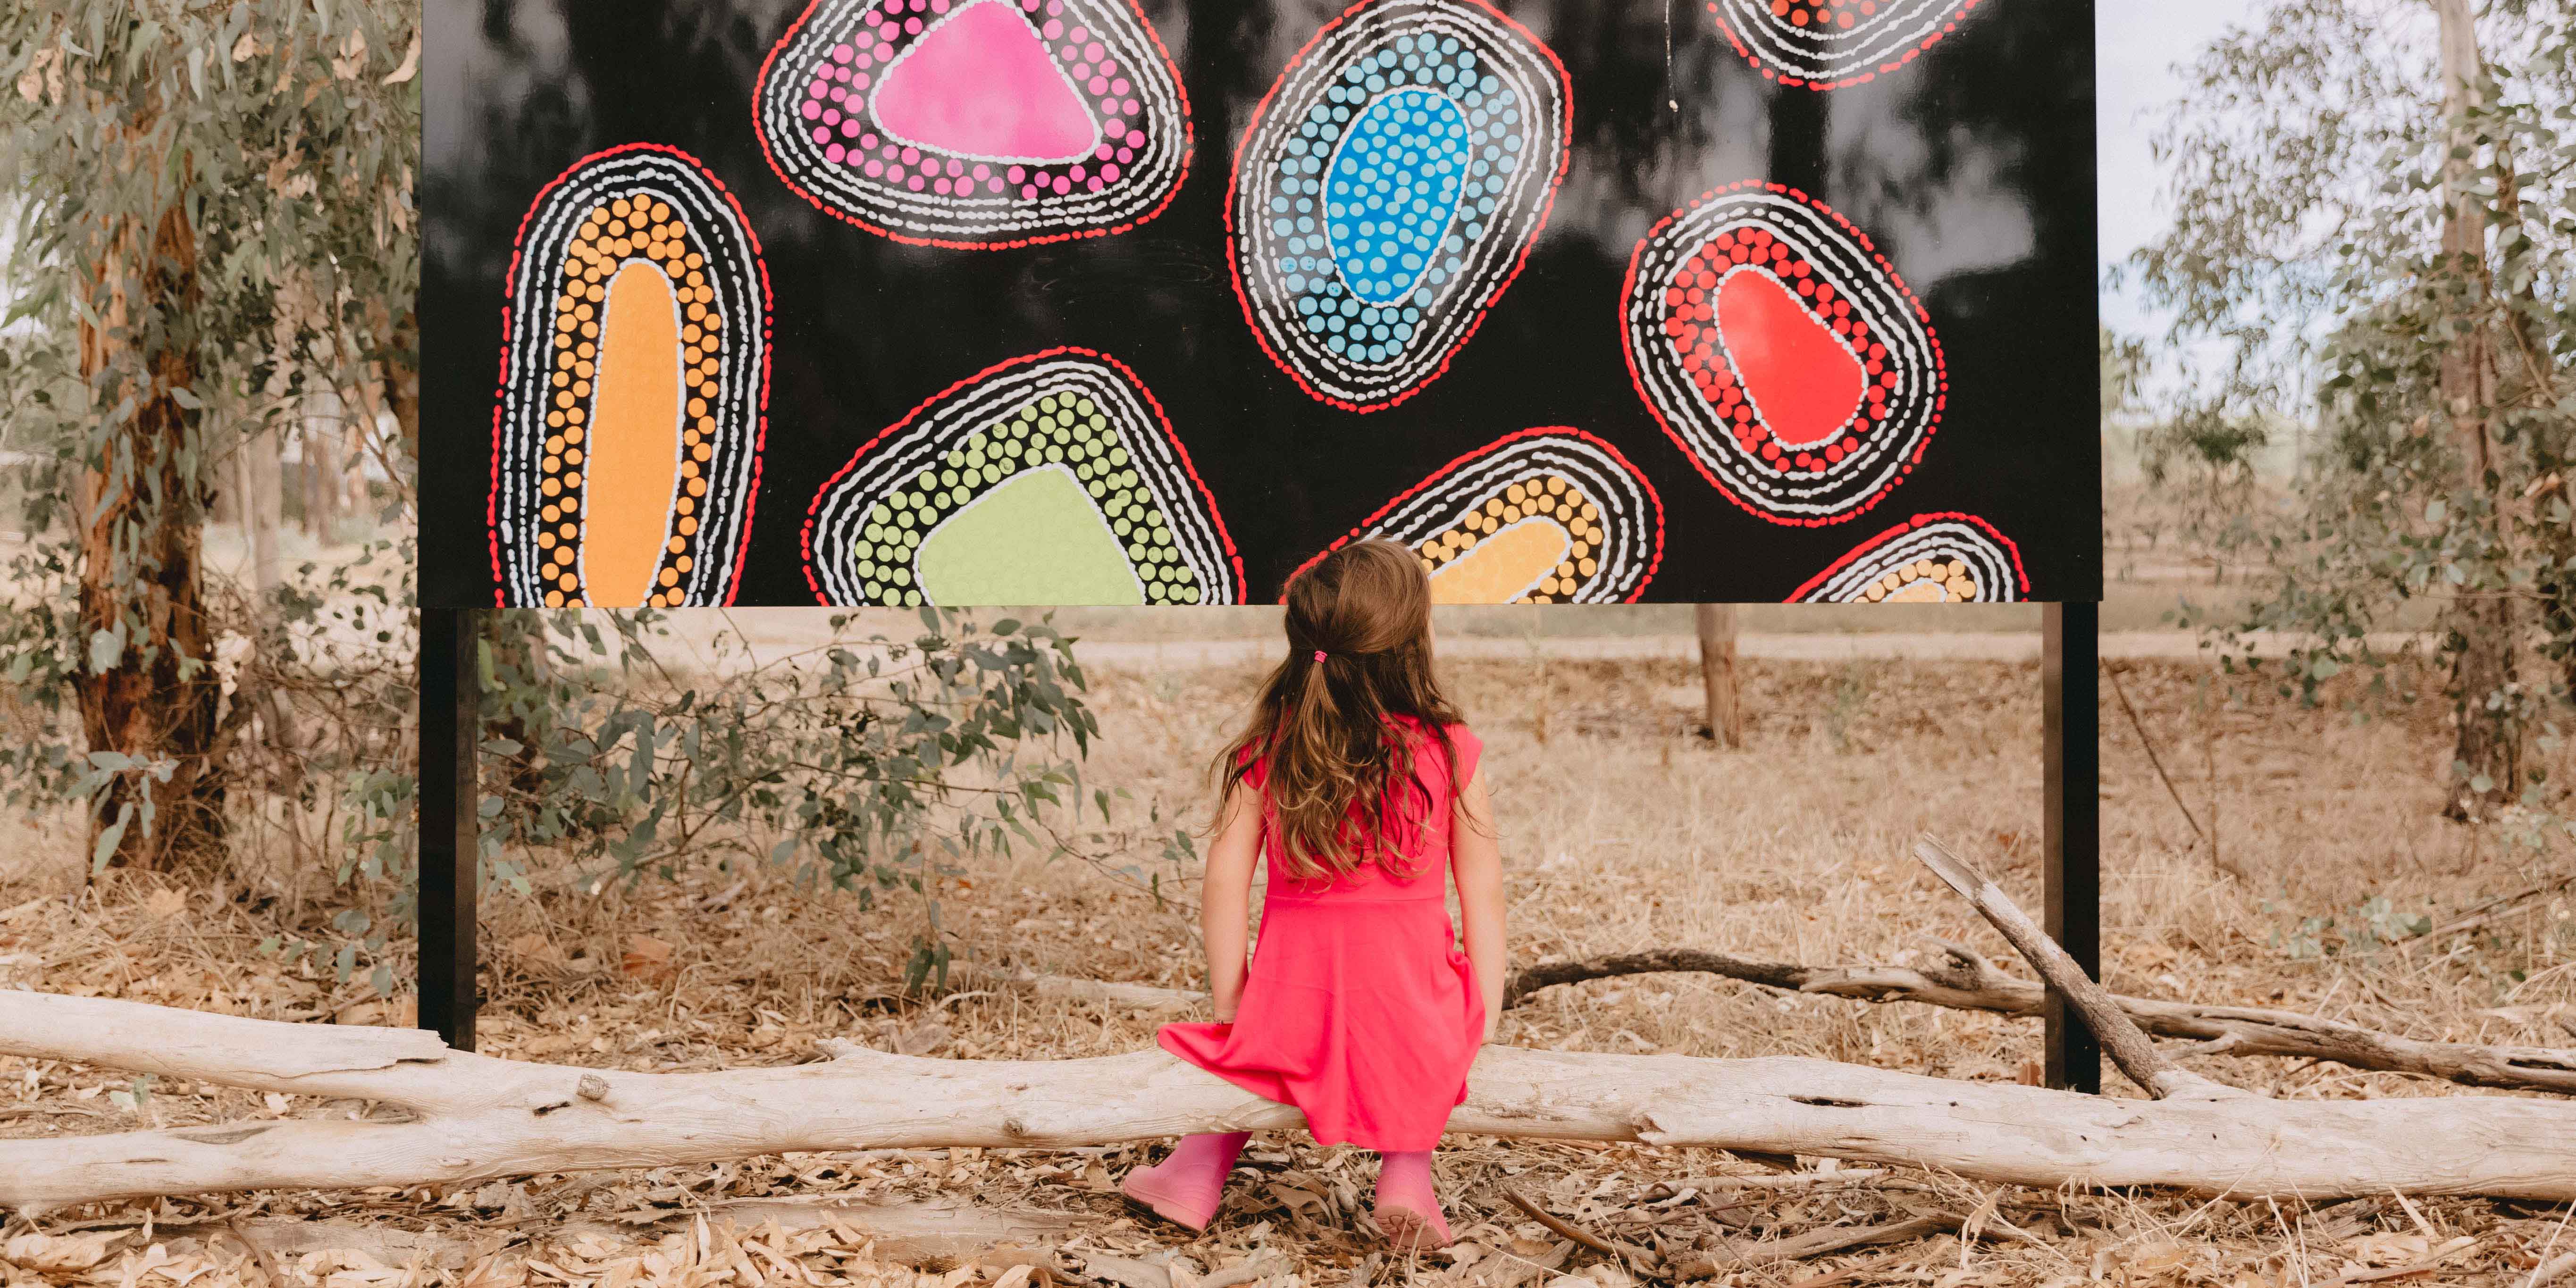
(480, 1117)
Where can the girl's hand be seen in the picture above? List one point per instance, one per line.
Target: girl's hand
(1493, 1027)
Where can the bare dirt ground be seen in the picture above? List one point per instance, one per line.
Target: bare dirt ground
(1622, 831)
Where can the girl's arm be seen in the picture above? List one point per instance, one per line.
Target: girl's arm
(1225, 900)
(1476, 855)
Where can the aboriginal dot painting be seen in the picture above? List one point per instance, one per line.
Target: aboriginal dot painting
(1346, 254)
(1928, 559)
(1053, 479)
(626, 433)
(1827, 44)
(1389, 188)
(977, 123)
(1782, 352)
(1544, 516)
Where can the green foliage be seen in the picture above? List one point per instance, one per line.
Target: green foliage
(2315, 166)
(2371, 925)
(209, 202)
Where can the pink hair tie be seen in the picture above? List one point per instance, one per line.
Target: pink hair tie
(1319, 655)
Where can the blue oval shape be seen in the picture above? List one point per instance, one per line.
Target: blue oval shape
(1389, 188)
(1393, 188)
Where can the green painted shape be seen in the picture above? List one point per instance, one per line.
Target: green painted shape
(1034, 539)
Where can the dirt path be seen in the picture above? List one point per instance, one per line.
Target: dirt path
(772, 637)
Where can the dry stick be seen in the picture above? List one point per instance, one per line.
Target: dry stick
(1638, 1258)
(2121, 691)
(1850, 1272)
(2494, 908)
(2127, 1045)
(1966, 981)
(1817, 1243)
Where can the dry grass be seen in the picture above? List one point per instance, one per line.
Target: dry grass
(1621, 832)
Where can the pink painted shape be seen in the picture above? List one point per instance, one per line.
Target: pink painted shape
(982, 84)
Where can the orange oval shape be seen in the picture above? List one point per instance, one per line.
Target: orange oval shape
(626, 439)
(635, 454)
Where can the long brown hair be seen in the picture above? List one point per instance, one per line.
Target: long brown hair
(1338, 787)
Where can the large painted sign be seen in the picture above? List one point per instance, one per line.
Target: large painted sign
(1155, 301)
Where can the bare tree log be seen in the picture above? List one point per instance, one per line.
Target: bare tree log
(1963, 980)
(2121, 1038)
(1966, 981)
(480, 1117)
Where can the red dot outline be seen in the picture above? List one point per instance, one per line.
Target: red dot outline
(1654, 499)
(1234, 180)
(1189, 150)
(2010, 549)
(1637, 378)
(1162, 419)
(510, 295)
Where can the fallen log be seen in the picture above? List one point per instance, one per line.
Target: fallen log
(477, 1117)
(1964, 979)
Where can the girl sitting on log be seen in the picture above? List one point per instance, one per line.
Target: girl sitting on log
(1356, 783)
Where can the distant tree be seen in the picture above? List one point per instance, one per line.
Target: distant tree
(2372, 219)
(215, 210)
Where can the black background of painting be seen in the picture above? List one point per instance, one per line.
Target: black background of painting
(1972, 170)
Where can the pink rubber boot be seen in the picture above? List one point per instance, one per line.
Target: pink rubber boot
(1408, 1210)
(1187, 1185)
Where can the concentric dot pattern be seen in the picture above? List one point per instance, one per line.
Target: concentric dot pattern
(1931, 558)
(1827, 44)
(1389, 188)
(1078, 414)
(640, 206)
(1605, 514)
(817, 123)
(1702, 385)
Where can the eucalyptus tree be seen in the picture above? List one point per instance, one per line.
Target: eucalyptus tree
(2373, 225)
(215, 213)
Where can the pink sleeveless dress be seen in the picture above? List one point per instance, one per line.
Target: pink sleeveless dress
(1360, 1009)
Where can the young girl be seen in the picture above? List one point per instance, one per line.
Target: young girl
(1358, 785)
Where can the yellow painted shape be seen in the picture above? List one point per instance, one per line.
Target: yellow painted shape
(1502, 568)
(1926, 591)
(634, 441)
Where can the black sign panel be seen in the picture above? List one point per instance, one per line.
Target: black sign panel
(1154, 301)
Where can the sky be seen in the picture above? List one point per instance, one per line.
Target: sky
(2137, 46)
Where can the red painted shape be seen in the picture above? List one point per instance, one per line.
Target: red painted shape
(1805, 384)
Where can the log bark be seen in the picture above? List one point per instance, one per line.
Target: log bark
(478, 1117)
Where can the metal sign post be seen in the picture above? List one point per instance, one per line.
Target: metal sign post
(450, 859)
(2070, 653)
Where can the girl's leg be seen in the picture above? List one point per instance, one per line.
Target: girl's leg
(1407, 1207)
(1187, 1185)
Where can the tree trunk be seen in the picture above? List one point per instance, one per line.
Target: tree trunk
(1717, 673)
(322, 464)
(481, 1117)
(2487, 751)
(262, 504)
(147, 690)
